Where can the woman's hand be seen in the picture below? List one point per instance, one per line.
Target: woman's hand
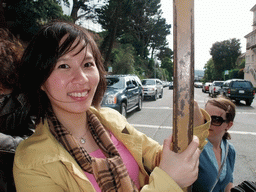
(182, 167)
(229, 187)
(198, 116)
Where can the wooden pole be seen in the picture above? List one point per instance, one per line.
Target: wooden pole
(183, 93)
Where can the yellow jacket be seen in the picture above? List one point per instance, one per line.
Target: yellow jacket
(42, 164)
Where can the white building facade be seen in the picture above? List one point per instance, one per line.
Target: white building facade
(250, 55)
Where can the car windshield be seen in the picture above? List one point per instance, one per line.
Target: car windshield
(241, 84)
(148, 82)
(218, 83)
(115, 82)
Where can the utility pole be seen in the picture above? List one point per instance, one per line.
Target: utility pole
(183, 93)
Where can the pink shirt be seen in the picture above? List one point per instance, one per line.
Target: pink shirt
(129, 162)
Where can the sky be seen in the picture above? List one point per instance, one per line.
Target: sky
(215, 21)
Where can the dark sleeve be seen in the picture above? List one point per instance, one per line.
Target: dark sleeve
(8, 145)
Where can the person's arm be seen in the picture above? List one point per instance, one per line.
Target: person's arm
(175, 171)
(31, 180)
(180, 169)
(229, 187)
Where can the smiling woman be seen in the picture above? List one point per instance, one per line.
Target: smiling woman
(78, 146)
(73, 82)
(57, 58)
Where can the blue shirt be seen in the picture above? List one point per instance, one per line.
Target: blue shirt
(208, 168)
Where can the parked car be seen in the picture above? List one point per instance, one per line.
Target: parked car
(239, 89)
(206, 87)
(198, 85)
(124, 93)
(215, 88)
(165, 83)
(171, 85)
(152, 88)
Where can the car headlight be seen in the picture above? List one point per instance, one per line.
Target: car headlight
(110, 100)
(151, 89)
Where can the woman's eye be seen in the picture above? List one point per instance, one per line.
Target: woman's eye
(63, 66)
(88, 64)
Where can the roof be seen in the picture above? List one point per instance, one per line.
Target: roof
(253, 8)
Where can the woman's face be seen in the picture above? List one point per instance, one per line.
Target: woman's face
(73, 82)
(217, 131)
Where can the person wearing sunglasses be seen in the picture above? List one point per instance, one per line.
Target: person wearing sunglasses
(217, 160)
(15, 122)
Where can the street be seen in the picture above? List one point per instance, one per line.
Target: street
(155, 120)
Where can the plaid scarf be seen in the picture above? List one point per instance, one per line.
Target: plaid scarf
(110, 173)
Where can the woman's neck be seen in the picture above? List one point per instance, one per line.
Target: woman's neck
(216, 142)
(75, 123)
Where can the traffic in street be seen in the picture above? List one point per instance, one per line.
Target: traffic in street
(155, 120)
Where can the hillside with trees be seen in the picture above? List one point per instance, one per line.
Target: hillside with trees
(134, 33)
(223, 63)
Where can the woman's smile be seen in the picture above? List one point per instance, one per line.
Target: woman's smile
(78, 94)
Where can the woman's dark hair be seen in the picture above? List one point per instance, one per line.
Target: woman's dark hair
(41, 56)
(228, 106)
(11, 51)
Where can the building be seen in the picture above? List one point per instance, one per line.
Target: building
(250, 55)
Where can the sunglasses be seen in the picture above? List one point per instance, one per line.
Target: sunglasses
(218, 120)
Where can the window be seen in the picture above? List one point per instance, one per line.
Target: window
(241, 84)
(148, 82)
(134, 83)
(115, 82)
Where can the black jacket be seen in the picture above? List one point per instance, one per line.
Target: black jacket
(15, 119)
(15, 126)
(8, 145)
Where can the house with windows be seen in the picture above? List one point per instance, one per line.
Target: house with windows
(250, 55)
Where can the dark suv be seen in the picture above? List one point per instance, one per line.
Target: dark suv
(239, 89)
(124, 93)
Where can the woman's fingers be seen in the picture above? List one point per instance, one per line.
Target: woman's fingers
(192, 148)
(183, 167)
(167, 143)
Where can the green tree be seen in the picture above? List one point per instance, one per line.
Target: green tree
(28, 15)
(225, 54)
(145, 26)
(167, 64)
(113, 17)
(86, 10)
(159, 32)
(135, 22)
(235, 74)
(123, 59)
(210, 73)
(164, 52)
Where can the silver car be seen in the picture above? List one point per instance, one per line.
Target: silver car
(153, 88)
(215, 88)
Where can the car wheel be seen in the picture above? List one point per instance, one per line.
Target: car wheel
(155, 96)
(123, 109)
(161, 96)
(139, 103)
(248, 102)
